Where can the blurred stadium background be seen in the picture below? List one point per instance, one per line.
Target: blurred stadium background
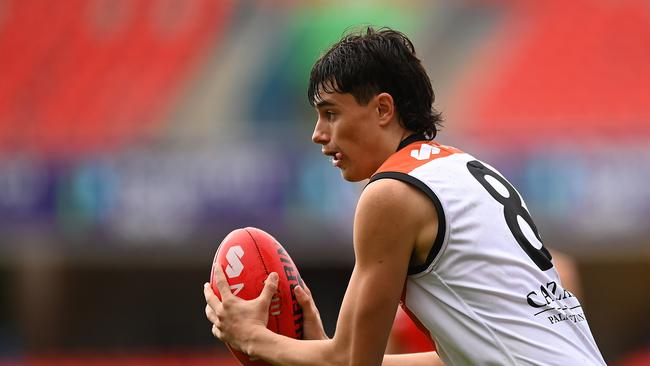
(134, 134)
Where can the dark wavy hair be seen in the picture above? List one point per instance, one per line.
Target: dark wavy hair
(368, 62)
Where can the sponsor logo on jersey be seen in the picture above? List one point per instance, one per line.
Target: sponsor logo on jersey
(555, 303)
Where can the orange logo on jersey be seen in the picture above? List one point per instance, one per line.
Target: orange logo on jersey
(425, 152)
(415, 155)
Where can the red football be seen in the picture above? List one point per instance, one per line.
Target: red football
(247, 256)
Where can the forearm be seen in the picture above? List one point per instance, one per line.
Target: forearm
(413, 359)
(284, 351)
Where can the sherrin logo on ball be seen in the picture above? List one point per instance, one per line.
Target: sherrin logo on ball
(247, 256)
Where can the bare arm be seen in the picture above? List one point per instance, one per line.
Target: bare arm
(389, 220)
(413, 359)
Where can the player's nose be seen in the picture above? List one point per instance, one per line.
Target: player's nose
(320, 135)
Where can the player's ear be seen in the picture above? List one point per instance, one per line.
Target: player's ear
(385, 108)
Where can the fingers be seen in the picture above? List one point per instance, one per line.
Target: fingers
(211, 311)
(313, 327)
(211, 315)
(306, 289)
(270, 288)
(302, 296)
(215, 331)
(212, 302)
(210, 298)
(221, 282)
(305, 301)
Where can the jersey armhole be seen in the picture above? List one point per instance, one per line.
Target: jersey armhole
(442, 223)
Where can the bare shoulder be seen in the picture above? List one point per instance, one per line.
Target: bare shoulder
(386, 192)
(391, 211)
(389, 199)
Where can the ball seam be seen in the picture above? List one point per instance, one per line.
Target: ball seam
(257, 248)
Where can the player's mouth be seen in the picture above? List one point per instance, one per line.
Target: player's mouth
(335, 158)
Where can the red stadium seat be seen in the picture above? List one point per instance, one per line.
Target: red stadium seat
(571, 69)
(86, 76)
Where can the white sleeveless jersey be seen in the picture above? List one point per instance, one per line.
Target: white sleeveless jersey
(488, 293)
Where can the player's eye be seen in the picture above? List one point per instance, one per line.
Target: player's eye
(330, 115)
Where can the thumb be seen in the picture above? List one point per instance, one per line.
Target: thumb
(270, 288)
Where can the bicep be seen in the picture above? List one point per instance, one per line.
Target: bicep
(413, 359)
(384, 235)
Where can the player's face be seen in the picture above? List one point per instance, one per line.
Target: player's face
(348, 133)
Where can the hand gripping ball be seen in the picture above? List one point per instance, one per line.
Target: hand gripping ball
(247, 256)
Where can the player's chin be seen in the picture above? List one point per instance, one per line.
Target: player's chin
(353, 176)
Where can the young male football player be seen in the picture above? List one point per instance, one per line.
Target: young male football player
(436, 229)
